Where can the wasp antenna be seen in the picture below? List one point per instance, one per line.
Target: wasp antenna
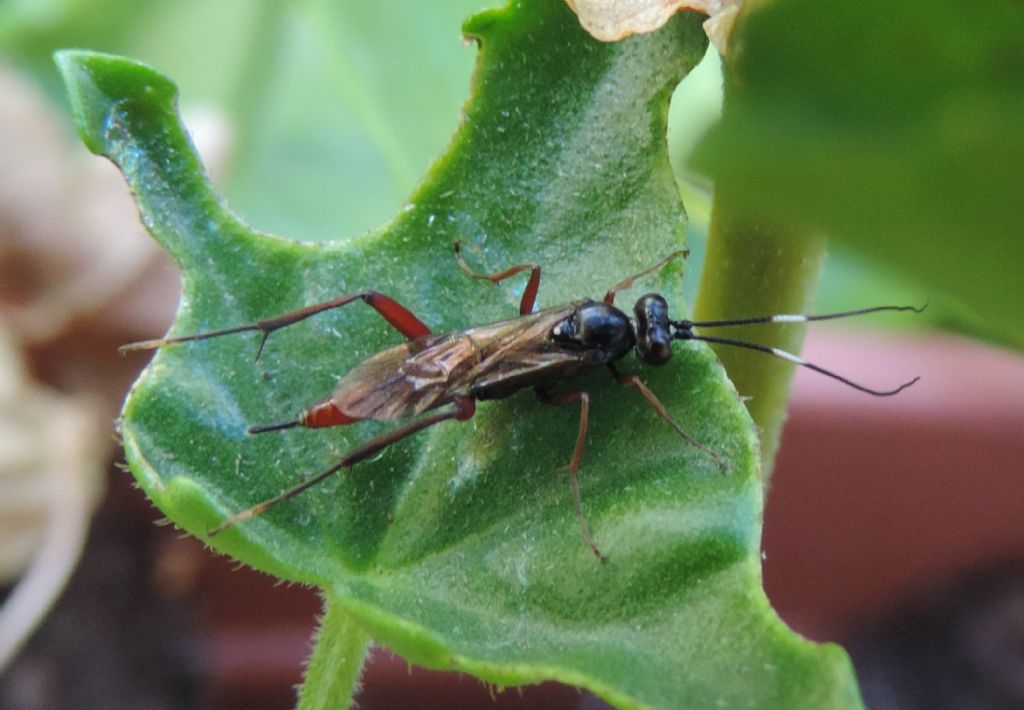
(796, 359)
(794, 317)
(263, 428)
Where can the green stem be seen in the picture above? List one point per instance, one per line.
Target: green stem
(755, 269)
(332, 675)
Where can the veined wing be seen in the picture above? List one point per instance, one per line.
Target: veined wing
(526, 357)
(428, 372)
(405, 380)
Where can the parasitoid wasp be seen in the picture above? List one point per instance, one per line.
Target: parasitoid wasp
(434, 377)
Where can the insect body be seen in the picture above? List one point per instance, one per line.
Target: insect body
(432, 377)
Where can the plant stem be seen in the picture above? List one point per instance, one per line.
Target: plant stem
(332, 675)
(753, 268)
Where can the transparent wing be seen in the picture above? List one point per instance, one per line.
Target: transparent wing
(428, 372)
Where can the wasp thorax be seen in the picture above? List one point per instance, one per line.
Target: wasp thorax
(598, 326)
(653, 337)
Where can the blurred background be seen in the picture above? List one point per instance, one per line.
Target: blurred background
(893, 526)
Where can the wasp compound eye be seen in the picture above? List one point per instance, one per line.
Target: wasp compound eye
(653, 338)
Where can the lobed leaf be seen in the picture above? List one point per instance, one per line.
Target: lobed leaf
(459, 548)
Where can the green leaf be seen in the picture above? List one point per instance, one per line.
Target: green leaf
(893, 128)
(458, 547)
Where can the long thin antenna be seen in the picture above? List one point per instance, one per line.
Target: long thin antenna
(797, 317)
(785, 355)
(683, 330)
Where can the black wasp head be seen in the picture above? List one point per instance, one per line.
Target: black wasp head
(598, 328)
(653, 337)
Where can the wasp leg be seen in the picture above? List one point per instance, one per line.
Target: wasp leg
(634, 381)
(577, 455)
(462, 409)
(609, 297)
(400, 318)
(529, 293)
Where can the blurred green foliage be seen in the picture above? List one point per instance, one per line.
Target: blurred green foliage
(333, 128)
(894, 129)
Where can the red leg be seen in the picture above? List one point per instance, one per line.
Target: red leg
(577, 455)
(634, 381)
(462, 409)
(609, 297)
(400, 318)
(529, 293)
